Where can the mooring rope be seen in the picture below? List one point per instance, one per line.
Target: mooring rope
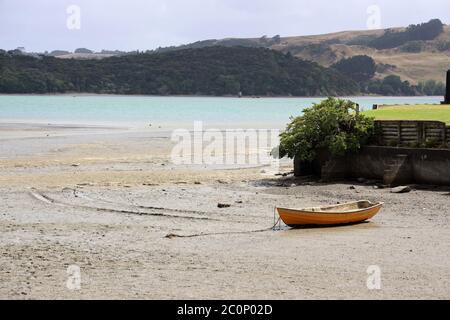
(44, 198)
(172, 235)
(41, 197)
(82, 195)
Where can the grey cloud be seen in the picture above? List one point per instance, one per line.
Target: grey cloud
(139, 24)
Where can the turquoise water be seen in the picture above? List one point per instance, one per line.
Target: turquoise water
(167, 110)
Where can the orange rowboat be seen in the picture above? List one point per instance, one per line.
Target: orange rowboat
(347, 213)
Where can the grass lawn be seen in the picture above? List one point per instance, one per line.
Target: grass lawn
(412, 112)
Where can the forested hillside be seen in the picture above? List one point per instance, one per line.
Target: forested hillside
(218, 71)
(204, 71)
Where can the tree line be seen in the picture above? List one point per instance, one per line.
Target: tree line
(362, 69)
(419, 32)
(204, 71)
(217, 71)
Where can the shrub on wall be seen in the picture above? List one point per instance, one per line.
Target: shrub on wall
(334, 125)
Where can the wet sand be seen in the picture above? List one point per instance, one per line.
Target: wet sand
(110, 201)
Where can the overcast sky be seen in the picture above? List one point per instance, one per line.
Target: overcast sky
(40, 25)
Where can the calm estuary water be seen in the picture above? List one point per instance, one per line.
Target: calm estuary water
(168, 111)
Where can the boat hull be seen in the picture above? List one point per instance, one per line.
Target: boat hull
(297, 218)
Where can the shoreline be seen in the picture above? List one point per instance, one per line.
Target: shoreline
(86, 94)
(36, 125)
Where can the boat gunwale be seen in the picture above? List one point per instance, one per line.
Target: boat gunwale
(308, 210)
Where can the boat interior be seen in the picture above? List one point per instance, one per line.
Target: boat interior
(344, 208)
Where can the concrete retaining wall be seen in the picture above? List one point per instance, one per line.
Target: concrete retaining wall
(390, 164)
(427, 166)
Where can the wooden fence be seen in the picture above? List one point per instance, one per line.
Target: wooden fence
(413, 133)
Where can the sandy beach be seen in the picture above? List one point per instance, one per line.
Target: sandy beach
(110, 201)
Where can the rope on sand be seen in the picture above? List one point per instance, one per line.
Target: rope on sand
(44, 198)
(172, 235)
(82, 195)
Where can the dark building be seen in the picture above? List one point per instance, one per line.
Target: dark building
(447, 91)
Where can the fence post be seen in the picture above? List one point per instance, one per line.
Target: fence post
(444, 132)
(420, 132)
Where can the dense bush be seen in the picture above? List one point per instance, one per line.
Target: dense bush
(392, 86)
(431, 88)
(413, 47)
(392, 39)
(359, 68)
(83, 50)
(362, 40)
(333, 125)
(443, 46)
(314, 50)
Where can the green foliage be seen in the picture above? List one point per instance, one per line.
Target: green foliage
(58, 53)
(431, 143)
(425, 31)
(204, 71)
(362, 40)
(391, 86)
(263, 42)
(333, 124)
(83, 50)
(432, 88)
(392, 143)
(362, 69)
(314, 50)
(394, 86)
(359, 68)
(443, 46)
(413, 47)
(384, 67)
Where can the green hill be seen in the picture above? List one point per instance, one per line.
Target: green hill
(416, 53)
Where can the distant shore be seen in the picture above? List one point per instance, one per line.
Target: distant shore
(86, 94)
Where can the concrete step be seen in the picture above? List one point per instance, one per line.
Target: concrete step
(397, 170)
